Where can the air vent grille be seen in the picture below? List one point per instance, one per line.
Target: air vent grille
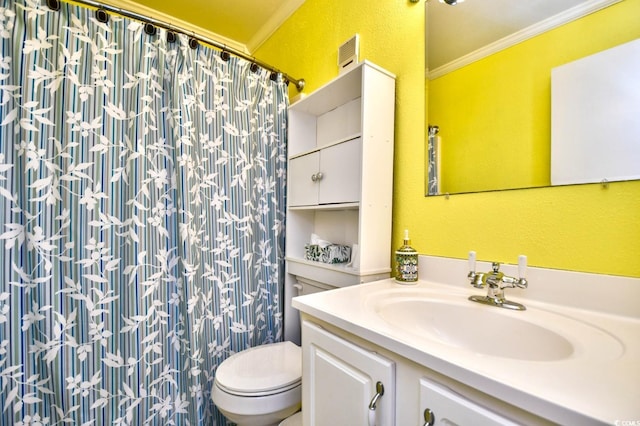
(348, 53)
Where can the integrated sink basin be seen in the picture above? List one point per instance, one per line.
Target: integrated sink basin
(531, 335)
(479, 330)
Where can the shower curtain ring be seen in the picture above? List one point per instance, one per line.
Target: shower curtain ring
(149, 28)
(224, 55)
(102, 16)
(193, 42)
(53, 4)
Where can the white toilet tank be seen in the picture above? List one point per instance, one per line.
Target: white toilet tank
(308, 286)
(298, 286)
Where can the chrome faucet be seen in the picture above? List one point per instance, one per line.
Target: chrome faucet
(496, 282)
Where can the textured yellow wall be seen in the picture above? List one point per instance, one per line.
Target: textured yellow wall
(392, 36)
(584, 228)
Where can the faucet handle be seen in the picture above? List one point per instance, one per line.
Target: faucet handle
(522, 271)
(495, 266)
(522, 266)
(474, 279)
(472, 261)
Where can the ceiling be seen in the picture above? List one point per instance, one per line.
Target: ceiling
(455, 31)
(452, 31)
(241, 24)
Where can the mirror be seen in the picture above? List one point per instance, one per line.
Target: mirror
(489, 83)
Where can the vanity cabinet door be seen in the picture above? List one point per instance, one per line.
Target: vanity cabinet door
(450, 408)
(339, 382)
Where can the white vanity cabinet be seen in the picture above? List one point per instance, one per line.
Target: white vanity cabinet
(342, 379)
(339, 376)
(340, 180)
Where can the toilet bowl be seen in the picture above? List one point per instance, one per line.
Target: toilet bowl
(260, 386)
(295, 420)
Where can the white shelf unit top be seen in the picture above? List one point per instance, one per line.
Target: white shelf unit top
(338, 91)
(338, 103)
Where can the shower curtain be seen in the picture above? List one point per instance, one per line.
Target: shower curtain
(141, 218)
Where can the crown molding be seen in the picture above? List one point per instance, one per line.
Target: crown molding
(283, 13)
(555, 21)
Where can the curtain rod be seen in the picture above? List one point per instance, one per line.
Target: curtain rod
(299, 83)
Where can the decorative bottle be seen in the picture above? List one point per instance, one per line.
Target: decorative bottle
(406, 262)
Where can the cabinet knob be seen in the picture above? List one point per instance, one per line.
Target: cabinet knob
(317, 177)
(429, 417)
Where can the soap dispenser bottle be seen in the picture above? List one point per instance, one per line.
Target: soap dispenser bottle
(406, 262)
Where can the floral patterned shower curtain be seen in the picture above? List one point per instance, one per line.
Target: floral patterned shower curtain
(141, 218)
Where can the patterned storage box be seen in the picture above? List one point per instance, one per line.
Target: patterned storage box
(333, 253)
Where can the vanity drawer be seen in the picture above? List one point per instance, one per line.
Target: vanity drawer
(450, 408)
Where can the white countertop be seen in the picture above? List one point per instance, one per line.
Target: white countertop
(593, 385)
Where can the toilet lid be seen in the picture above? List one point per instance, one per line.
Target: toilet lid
(261, 369)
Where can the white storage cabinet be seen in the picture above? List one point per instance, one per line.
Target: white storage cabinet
(340, 180)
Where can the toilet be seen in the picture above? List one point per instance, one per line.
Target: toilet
(262, 386)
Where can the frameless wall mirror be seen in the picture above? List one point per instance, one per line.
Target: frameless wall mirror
(489, 68)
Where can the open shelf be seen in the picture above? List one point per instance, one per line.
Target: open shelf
(327, 145)
(340, 206)
(337, 275)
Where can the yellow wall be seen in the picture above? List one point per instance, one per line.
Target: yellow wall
(392, 36)
(583, 228)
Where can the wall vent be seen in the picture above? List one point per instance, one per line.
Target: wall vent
(348, 53)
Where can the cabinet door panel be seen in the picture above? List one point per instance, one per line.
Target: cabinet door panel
(450, 408)
(340, 166)
(303, 191)
(335, 382)
(339, 381)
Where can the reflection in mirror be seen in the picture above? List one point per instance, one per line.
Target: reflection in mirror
(592, 140)
(491, 100)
